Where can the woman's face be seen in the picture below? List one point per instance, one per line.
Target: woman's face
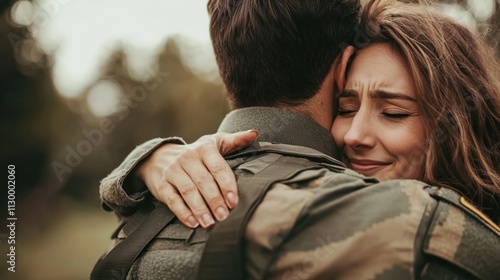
(378, 124)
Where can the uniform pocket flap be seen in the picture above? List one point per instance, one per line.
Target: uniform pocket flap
(176, 231)
(200, 236)
(257, 165)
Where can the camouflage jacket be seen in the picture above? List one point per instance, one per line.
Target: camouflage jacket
(324, 224)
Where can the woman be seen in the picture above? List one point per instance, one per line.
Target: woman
(421, 101)
(438, 121)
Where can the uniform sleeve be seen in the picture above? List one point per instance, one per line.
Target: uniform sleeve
(113, 187)
(347, 228)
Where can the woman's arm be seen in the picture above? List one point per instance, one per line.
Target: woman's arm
(121, 191)
(193, 180)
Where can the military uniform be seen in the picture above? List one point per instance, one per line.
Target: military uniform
(324, 223)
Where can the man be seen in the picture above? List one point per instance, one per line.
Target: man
(280, 61)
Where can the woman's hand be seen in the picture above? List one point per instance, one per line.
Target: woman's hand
(194, 180)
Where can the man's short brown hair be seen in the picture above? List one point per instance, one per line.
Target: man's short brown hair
(278, 52)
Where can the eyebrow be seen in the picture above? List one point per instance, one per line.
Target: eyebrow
(378, 94)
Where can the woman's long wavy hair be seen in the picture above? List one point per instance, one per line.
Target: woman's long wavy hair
(457, 80)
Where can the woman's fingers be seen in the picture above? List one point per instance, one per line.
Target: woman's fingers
(207, 186)
(169, 195)
(227, 143)
(223, 177)
(219, 184)
(199, 184)
(191, 196)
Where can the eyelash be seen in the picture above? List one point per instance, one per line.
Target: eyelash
(343, 112)
(396, 115)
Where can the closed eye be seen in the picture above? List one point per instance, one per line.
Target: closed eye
(346, 112)
(396, 115)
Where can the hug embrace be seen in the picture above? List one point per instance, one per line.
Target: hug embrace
(339, 160)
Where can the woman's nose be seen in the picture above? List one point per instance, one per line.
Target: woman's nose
(360, 134)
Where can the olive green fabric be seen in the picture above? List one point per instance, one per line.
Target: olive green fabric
(326, 224)
(268, 165)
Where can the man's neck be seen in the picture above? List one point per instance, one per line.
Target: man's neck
(279, 125)
(319, 108)
(317, 112)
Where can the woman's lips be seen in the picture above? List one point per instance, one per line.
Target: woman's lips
(364, 165)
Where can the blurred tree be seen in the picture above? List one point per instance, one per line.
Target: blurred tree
(176, 102)
(32, 114)
(42, 130)
(173, 102)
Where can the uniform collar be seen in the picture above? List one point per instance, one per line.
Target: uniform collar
(278, 125)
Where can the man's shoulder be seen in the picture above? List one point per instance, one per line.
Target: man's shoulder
(404, 194)
(459, 236)
(319, 218)
(323, 177)
(433, 229)
(449, 234)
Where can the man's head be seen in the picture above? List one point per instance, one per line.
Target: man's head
(278, 53)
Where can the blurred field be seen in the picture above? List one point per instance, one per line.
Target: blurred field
(66, 247)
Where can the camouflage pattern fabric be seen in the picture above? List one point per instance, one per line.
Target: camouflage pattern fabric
(330, 225)
(332, 229)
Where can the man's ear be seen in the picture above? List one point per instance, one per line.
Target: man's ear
(340, 71)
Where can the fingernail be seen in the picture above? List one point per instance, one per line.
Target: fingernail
(207, 220)
(192, 222)
(254, 131)
(221, 214)
(233, 200)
